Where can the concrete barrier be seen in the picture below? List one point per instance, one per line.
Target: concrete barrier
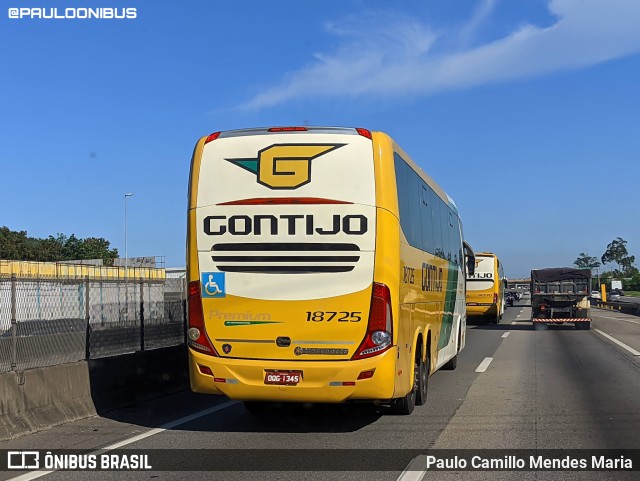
(37, 399)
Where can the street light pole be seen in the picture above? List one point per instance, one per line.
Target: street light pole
(126, 260)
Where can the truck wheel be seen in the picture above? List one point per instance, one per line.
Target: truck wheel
(540, 326)
(583, 326)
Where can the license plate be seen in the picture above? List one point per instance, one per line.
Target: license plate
(288, 378)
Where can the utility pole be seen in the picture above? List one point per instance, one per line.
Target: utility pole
(126, 260)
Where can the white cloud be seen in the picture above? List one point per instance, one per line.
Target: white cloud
(394, 55)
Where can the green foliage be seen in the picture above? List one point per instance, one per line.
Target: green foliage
(586, 261)
(617, 252)
(16, 245)
(629, 282)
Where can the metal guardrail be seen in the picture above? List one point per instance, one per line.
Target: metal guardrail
(618, 306)
(48, 321)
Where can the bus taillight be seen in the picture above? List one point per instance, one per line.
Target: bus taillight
(380, 326)
(211, 137)
(197, 335)
(364, 133)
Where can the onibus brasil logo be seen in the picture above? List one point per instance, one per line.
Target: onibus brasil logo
(284, 166)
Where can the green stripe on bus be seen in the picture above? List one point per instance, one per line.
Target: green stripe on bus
(449, 306)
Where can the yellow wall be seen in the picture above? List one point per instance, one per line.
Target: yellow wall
(55, 270)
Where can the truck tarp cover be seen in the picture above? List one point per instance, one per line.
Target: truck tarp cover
(559, 274)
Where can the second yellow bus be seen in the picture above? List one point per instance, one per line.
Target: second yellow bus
(485, 289)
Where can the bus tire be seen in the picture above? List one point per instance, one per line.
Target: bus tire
(422, 380)
(405, 405)
(451, 364)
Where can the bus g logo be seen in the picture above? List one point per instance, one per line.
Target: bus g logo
(284, 166)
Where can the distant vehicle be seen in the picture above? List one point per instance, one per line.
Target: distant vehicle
(615, 294)
(616, 285)
(486, 288)
(595, 295)
(560, 295)
(509, 298)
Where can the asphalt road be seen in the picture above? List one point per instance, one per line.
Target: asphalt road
(554, 389)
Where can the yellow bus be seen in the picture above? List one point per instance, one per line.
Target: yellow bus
(324, 266)
(485, 288)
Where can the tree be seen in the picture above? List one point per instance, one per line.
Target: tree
(586, 261)
(16, 245)
(617, 252)
(97, 248)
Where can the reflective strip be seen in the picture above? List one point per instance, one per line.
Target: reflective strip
(579, 319)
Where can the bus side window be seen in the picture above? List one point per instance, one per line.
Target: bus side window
(425, 221)
(456, 241)
(444, 230)
(404, 196)
(415, 206)
(436, 225)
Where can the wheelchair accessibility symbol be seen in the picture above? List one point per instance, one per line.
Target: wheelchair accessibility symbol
(213, 284)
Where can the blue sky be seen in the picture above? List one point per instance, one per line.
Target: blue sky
(527, 113)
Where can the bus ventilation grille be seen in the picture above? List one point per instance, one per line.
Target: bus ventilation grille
(285, 258)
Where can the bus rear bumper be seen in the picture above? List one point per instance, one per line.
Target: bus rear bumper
(322, 381)
(477, 310)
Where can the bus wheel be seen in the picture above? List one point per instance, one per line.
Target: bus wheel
(405, 405)
(422, 380)
(453, 362)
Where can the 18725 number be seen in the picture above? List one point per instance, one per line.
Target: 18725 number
(338, 316)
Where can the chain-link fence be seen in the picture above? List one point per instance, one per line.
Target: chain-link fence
(45, 322)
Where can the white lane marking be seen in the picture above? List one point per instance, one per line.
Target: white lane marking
(416, 469)
(618, 319)
(518, 315)
(484, 364)
(621, 344)
(152, 432)
(505, 335)
(171, 425)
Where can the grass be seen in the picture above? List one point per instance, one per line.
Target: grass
(632, 293)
